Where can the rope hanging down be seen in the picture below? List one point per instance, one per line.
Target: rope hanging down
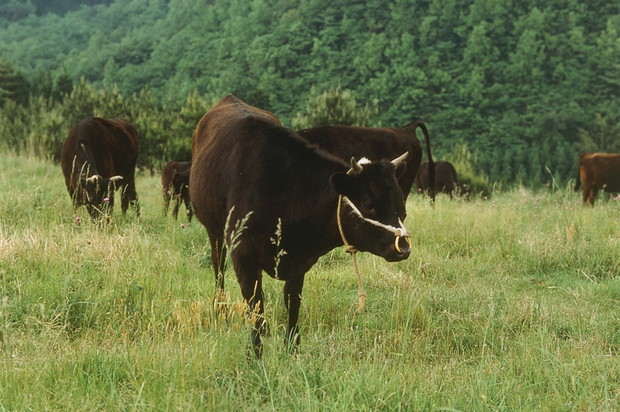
(350, 249)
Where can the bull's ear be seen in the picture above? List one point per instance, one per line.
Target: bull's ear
(343, 183)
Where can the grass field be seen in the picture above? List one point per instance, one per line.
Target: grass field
(511, 303)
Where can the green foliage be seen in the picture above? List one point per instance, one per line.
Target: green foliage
(472, 182)
(602, 137)
(14, 10)
(523, 83)
(13, 84)
(40, 128)
(334, 106)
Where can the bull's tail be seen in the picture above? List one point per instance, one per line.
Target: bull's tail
(578, 180)
(431, 163)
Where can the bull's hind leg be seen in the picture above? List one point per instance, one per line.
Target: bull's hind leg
(188, 209)
(218, 260)
(250, 279)
(589, 194)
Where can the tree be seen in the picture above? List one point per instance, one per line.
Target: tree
(13, 84)
(334, 106)
(14, 10)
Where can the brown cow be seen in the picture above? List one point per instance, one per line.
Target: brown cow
(375, 143)
(98, 157)
(272, 199)
(598, 171)
(446, 180)
(175, 185)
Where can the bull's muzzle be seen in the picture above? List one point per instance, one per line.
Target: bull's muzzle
(406, 245)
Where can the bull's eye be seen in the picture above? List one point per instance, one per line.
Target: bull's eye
(370, 209)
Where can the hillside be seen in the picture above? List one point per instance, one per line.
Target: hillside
(525, 85)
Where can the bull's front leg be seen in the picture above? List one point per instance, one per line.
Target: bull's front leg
(176, 206)
(167, 195)
(292, 300)
(129, 196)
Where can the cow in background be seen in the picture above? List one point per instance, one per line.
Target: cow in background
(376, 143)
(98, 157)
(598, 171)
(175, 185)
(446, 180)
(278, 203)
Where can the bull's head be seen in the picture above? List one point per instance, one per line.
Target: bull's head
(373, 208)
(99, 193)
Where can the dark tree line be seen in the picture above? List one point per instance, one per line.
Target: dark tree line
(523, 85)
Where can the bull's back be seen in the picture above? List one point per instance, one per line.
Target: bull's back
(445, 171)
(372, 143)
(113, 143)
(222, 145)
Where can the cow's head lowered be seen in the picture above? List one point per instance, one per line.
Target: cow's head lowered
(372, 208)
(98, 192)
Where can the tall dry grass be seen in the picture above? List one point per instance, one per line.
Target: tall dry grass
(506, 304)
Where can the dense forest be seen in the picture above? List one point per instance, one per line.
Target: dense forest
(519, 88)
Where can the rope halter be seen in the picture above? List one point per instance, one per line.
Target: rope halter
(399, 232)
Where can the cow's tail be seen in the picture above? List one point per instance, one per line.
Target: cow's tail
(431, 163)
(578, 180)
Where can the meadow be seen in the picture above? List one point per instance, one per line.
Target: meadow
(507, 303)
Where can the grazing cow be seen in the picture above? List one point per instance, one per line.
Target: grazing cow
(598, 171)
(270, 198)
(375, 143)
(175, 184)
(99, 156)
(446, 180)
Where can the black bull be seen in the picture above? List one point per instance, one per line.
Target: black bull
(445, 178)
(271, 198)
(376, 143)
(175, 186)
(99, 156)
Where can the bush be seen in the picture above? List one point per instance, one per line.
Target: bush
(471, 182)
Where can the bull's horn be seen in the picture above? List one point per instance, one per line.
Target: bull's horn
(356, 168)
(93, 179)
(396, 162)
(115, 178)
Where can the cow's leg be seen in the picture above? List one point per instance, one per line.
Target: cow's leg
(218, 254)
(218, 260)
(129, 195)
(292, 300)
(177, 204)
(584, 194)
(250, 279)
(589, 193)
(593, 192)
(188, 208)
(167, 196)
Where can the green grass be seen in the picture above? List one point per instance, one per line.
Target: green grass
(507, 304)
